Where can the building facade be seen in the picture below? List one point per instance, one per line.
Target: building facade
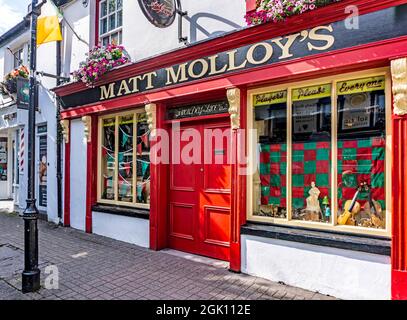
(305, 184)
(14, 53)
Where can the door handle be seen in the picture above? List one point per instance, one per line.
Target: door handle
(201, 170)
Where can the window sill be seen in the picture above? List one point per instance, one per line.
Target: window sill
(362, 243)
(122, 211)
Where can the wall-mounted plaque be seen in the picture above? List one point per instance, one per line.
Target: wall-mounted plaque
(23, 93)
(198, 110)
(160, 13)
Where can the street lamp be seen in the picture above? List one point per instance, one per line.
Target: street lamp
(31, 273)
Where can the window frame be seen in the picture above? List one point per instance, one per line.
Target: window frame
(333, 80)
(133, 204)
(98, 35)
(15, 52)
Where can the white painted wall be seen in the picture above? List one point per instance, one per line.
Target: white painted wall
(78, 175)
(74, 50)
(46, 62)
(340, 273)
(206, 19)
(142, 39)
(127, 229)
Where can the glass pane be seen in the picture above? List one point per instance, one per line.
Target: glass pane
(119, 18)
(108, 158)
(114, 38)
(105, 41)
(125, 171)
(112, 6)
(112, 22)
(361, 153)
(3, 158)
(269, 181)
(103, 9)
(311, 153)
(119, 4)
(143, 160)
(120, 38)
(103, 26)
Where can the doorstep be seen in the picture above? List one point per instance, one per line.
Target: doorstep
(200, 259)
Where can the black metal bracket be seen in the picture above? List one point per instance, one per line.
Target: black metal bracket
(181, 14)
(49, 75)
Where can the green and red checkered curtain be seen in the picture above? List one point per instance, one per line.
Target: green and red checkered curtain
(311, 161)
(273, 170)
(364, 159)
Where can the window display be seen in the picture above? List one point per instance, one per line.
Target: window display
(3, 159)
(270, 116)
(311, 153)
(108, 158)
(127, 180)
(297, 179)
(361, 153)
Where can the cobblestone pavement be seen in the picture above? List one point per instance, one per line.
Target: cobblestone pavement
(95, 267)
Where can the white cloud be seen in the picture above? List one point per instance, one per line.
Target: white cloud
(12, 12)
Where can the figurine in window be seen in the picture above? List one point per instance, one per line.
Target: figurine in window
(313, 209)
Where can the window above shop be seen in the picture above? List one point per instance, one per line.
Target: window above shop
(321, 154)
(18, 57)
(110, 22)
(124, 160)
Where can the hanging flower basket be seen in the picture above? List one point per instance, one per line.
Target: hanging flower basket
(100, 61)
(278, 10)
(10, 80)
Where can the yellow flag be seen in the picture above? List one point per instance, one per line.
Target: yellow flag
(48, 28)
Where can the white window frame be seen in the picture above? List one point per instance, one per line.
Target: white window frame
(15, 53)
(333, 226)
(109, 33)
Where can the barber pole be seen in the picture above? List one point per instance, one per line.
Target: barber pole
(21, 153)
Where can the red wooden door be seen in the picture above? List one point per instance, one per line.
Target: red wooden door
(200, 184)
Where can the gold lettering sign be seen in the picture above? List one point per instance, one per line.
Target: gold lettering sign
(313, 92)
(361, 85)
(257, 54)
(270, 98)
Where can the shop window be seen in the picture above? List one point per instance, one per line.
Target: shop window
(3, 158)
(124, 160)
(362, 153)
(270, 116)
(311, 152)
(327, 166)
(110, 22)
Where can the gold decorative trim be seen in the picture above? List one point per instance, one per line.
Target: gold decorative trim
(87, 120)
(151, 111)
(399, 76)
(65, 130)
(233, 96)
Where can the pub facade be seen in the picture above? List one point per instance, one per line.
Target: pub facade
(278, 148)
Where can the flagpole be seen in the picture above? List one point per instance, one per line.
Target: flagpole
(31, 273)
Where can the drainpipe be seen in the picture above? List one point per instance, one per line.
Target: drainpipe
(59, 135)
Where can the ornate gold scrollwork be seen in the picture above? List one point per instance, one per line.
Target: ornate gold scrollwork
(399, 75)
(151, 110)
(233, 96)
(65, 130)
(87, 121)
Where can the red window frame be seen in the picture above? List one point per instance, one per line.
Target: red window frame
(97, 22)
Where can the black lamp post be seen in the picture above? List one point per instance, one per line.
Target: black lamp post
(31, 273)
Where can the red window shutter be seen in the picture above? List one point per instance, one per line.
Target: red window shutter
(251, 5)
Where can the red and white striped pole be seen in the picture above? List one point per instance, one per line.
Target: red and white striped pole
(21, 151)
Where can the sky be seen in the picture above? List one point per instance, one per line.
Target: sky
(11, 13)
